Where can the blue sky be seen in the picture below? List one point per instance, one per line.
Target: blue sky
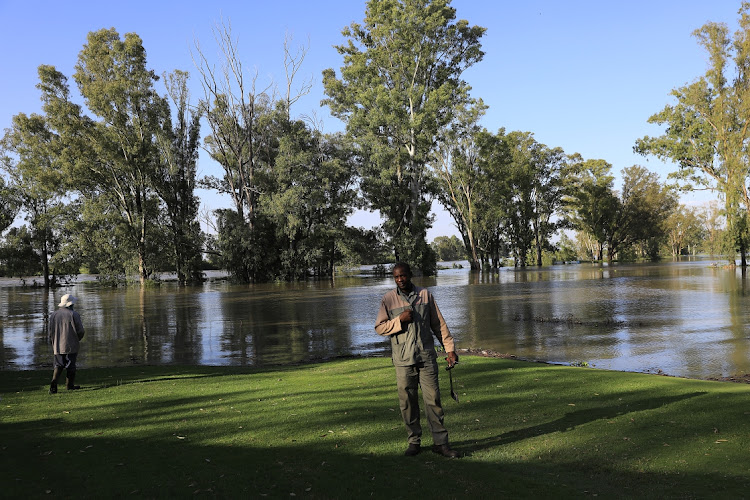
(582, 75)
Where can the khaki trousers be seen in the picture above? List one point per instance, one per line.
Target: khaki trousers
(408, 379)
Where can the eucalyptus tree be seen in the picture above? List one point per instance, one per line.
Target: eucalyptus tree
(245, 124)
(310, 197)
(591, 200)
(460, 178)
(550, 171)
(714, 227)
(8, 205)
(31, 159)
(685, 230)
(518, 202)
(642, 209)
(493, 192)
(707, 128)
(118, 88)
(448, 248)
(232, 106)
(175, 178)
(399, 86)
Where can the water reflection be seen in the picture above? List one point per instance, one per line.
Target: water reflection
(683, 318)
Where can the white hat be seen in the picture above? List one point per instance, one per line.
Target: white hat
(67, 300)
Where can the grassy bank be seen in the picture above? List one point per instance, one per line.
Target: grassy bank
(333, 430)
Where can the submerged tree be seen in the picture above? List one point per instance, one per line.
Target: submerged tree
(461, 181)
(685, 231)
(8, 205)
(119, 89)
(591, 200)
(31, 159)
(400, 85)
(175, 179)
(641, 211)
(707, 129)
(246, 125)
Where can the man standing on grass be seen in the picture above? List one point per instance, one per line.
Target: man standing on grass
(410, 316)
(65, 331)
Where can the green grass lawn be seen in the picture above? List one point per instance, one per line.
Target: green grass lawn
(333, 430)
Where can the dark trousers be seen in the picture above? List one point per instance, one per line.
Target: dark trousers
(67, 361)
(409, 379)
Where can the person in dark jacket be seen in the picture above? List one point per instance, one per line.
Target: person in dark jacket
(410, 317)
(65, 332)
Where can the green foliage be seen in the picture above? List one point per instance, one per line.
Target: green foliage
(244, 251)
(630, 223)
(643, 207)
(363, 246)
(592, 202)
(31, 160)
(8, 203)
(528, 430)
(706, 131)
(461, 182)
(685, 231)
(448, 248)
(400, 85)
(18, 256)
(175, 180)
(517, 186)
(566, 249)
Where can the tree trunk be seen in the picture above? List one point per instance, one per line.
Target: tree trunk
(45, 260)
(538, 254)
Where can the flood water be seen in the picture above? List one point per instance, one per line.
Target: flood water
(681, 318)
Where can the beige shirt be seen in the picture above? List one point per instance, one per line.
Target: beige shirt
(412, 342)
(65, 331)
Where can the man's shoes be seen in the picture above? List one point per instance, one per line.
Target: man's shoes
(413, 450)
(53, 388)
(70, 382)
(445, 450)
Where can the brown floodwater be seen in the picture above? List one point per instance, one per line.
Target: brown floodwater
(686, 318)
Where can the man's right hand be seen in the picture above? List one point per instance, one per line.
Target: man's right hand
(405, 316)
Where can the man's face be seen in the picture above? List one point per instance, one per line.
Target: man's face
(402, 279)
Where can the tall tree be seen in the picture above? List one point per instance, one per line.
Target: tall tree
(591, 200)
(8, 204)
(707, 129)
(310, 195)
(714, 225)
(448, 248)
(175, 179)
(518, 203)
(400, 85)
(642, 210)
(685, 231)
(117, 86)
(32, 161)
(246, 124)
(549, 168)
(493, 192)
(460, 177)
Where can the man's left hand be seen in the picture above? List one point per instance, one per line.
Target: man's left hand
(452, 359)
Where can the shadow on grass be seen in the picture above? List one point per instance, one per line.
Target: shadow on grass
(44, 465)
(573, 419)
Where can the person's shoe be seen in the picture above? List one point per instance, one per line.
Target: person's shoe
(53, 388)
(70, 382)
(412, 450)
(445, 450)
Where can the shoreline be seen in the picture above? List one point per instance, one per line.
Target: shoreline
(477, 352)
